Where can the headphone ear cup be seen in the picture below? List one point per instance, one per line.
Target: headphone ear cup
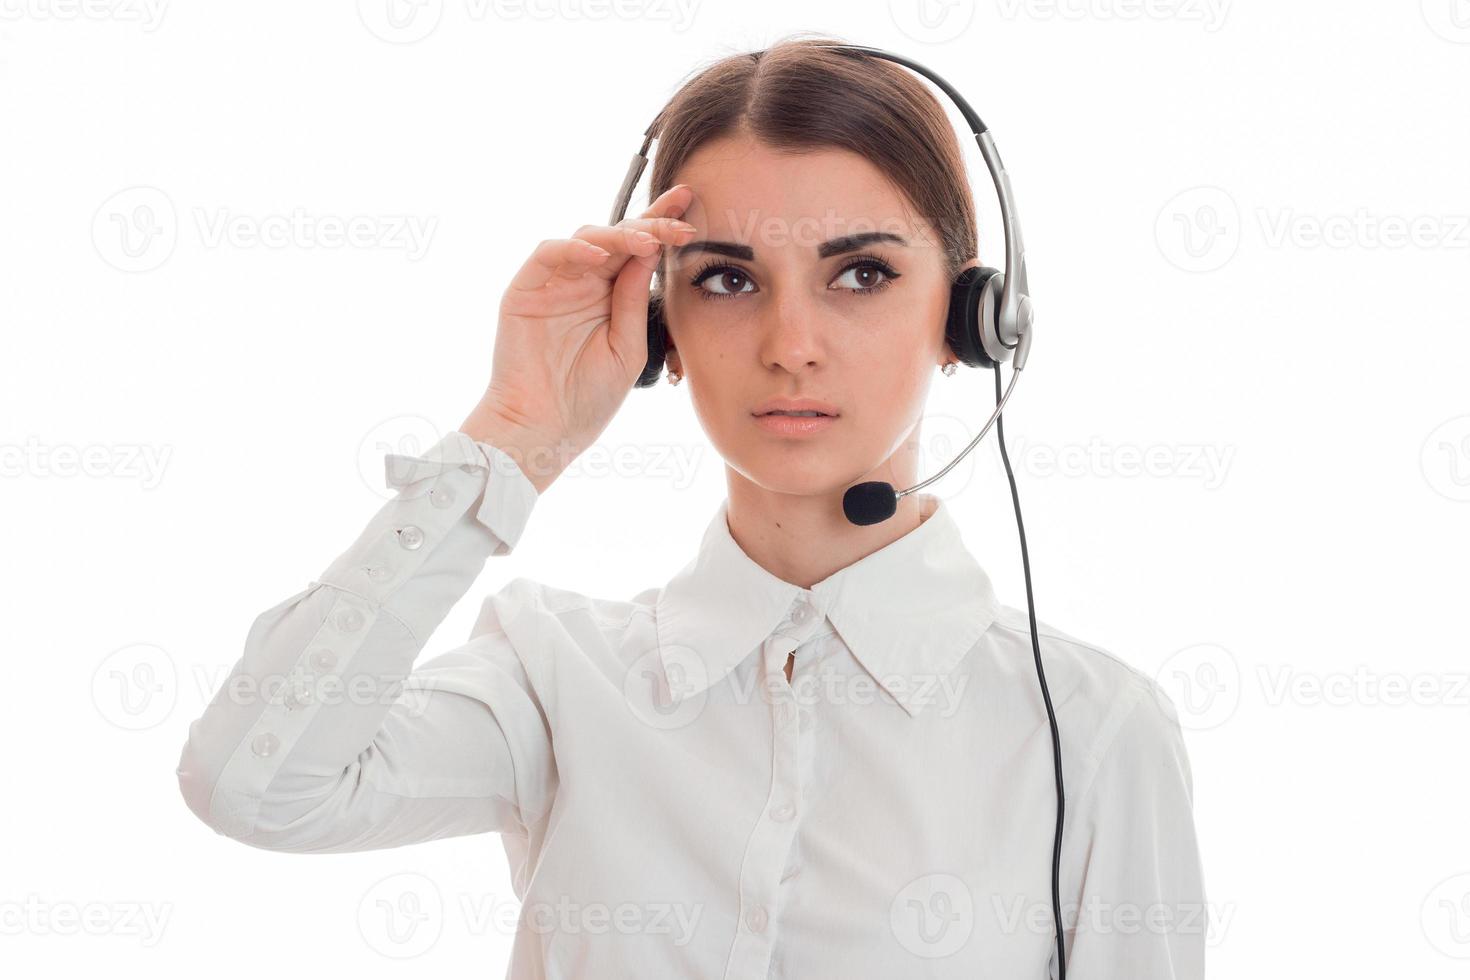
(657, 345)
(962, 326)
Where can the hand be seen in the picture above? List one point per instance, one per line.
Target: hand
(573, 337)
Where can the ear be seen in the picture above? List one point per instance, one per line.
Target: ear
(946, 350)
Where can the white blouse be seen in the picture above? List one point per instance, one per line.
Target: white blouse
(673, 807)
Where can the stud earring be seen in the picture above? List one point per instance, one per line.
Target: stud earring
(949, 369)
(675, 377)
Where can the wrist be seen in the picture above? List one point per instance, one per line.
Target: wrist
(540, 458)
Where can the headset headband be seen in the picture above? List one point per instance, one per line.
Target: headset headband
(1014, 314)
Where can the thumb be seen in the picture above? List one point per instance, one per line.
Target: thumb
(628, 334)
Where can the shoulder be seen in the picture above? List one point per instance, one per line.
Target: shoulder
(1103, 703)
(526, 603)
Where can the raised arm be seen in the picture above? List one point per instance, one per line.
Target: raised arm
(323, 737)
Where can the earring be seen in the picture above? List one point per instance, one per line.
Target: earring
(949, 369)
(675, 377)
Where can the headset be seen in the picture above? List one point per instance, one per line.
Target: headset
(989, 322)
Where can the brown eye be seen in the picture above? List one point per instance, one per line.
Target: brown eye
(865, 277)
(726, 280)
(730, 282)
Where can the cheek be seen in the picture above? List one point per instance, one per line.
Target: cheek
(898, 395)
(901, 365)
(898, 347)
(716, 399)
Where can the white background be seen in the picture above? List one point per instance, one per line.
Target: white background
(1247, 232)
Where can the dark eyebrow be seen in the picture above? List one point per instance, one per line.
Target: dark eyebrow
(851, 243)
(846, 243)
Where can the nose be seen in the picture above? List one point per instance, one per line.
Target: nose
(791, 332)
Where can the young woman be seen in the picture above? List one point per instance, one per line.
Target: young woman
(819, 750)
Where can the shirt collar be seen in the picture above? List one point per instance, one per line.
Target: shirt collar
(909, 611)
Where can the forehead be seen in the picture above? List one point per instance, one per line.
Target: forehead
(748, 192)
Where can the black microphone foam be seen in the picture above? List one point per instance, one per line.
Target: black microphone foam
(869, 503)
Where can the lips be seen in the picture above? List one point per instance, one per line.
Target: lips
(789, 406)
(795, 425)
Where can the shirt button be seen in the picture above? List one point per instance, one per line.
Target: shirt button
(802, 613)
(755, 919)
(349, 620)
(324, 660)
(783, 812)
(468, 467)
(441, 496)
(264, 744)
(410, 537)
(297, 696)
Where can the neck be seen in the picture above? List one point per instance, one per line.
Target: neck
(803, 538)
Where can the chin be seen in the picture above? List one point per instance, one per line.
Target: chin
(801, 470)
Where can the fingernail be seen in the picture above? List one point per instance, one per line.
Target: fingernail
(684, 226)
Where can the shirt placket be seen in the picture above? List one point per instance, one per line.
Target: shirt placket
(763, 869)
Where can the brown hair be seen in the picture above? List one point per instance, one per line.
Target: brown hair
(797, 95)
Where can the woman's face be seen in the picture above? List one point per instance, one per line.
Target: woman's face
(802, 313)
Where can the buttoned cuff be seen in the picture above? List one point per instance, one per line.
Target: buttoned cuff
(509, 495)
(457, 482)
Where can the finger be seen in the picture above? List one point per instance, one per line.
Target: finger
(550, 256)
(628, 332)
(637, 237)
(672, 203)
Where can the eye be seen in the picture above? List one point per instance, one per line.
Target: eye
(865, 275)
(731, 281)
